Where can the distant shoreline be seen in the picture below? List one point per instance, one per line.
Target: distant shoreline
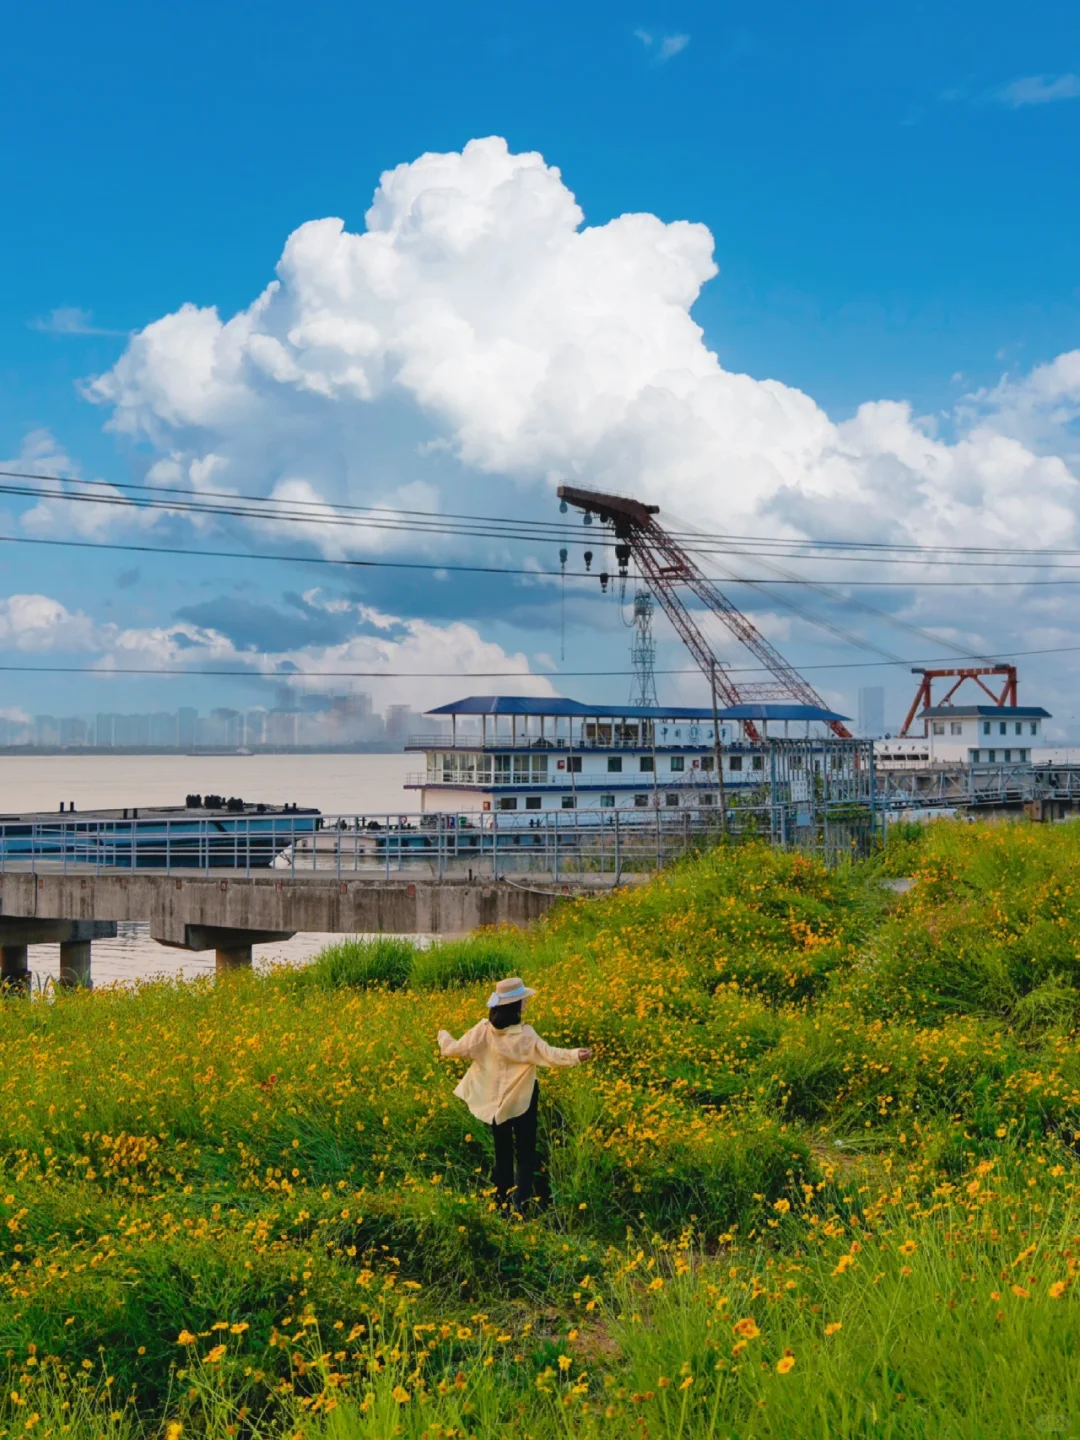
(198, 752)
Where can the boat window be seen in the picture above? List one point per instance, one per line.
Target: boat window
(507, 802)
(708, 762)
(641, 801)
(671, 798)
(568, 802)
(986, 727)
(1003, 728)
(708, 798)
(955, 728)
(532, 802)
(758, 762)
(939, 727)
(573, 764)
(646, 764)
(678, 762)
(735, 762)
(607, 802)
(614, 764)
(1034, 727)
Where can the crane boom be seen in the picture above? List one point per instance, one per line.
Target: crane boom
(665, 564)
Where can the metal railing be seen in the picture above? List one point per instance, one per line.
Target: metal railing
(560, 845)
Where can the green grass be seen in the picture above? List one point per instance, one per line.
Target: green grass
(814, 1104)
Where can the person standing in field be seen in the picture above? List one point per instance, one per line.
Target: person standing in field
(500, 1086)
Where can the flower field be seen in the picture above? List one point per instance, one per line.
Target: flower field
(820, 1179)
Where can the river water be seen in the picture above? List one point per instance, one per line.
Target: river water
(334, 784)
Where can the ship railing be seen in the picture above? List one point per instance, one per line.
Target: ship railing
(556, 845)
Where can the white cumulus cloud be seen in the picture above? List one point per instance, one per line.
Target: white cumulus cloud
(1038, 90)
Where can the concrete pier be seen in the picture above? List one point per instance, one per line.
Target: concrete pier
(74, 937)
(229, 915)
(14, 971)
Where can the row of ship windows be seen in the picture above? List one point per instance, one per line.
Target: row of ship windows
(993, 756)
(522, 768)
(607, 802)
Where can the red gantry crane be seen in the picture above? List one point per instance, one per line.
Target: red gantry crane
(923, 698)
(665, 564)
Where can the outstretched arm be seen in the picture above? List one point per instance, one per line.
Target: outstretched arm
(552, 1055)
(461, 1049)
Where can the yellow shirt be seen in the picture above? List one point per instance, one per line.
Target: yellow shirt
(498, 1085)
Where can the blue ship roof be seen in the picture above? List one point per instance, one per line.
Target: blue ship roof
(558, 705)
(779, 711)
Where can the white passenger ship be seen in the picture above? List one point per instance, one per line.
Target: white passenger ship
(530, 757)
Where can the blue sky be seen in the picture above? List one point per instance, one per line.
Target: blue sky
(890, 192)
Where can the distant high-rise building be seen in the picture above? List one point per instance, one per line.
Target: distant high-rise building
(255, 727)
(398, 718)
(163, 729)
(46, 731)
(281, 727)
(103, 728)
(186, 717)
(872, 712)
(72, 730)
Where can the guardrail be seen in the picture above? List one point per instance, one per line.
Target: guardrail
(478, 845)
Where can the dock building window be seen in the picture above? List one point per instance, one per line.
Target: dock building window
(1034, 727)
(986, 727)
(955, 727)
(529, 769)
(646, 764)
(614, 764)
(939, 727)
(459, 768)
(1003, 728)
(678, 762)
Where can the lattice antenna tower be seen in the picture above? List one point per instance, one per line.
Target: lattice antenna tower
(643, 651)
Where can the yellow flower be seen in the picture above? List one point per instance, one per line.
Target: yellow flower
(832, 1328)
(1021, 1292)
(657, 1283)
(687, 1383)
(908, 1247)
(844, 1263)
(1058, 1288)
(185, 1338)
(401, 1395)
(746, 1328)
(565, 1362)
(214, 1355)
(784, 1364)
(173, 1430)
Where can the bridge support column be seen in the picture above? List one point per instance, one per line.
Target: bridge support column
(231, 946)
(232, 957)
(75, 965)
(14, 968)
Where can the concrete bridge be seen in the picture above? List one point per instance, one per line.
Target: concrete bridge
(229, 913)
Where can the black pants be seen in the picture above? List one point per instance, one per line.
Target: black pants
(517, 1169)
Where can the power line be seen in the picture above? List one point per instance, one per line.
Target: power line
(334, 514)
(292, 675)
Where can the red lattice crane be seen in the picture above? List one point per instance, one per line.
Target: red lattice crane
(665, 564)
(923, 699)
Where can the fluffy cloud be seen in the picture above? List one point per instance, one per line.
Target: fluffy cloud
(328, 639)
(543, 349)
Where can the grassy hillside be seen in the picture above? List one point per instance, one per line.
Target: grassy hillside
(819, 1180)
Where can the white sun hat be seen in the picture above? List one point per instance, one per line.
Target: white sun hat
(507, 991)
